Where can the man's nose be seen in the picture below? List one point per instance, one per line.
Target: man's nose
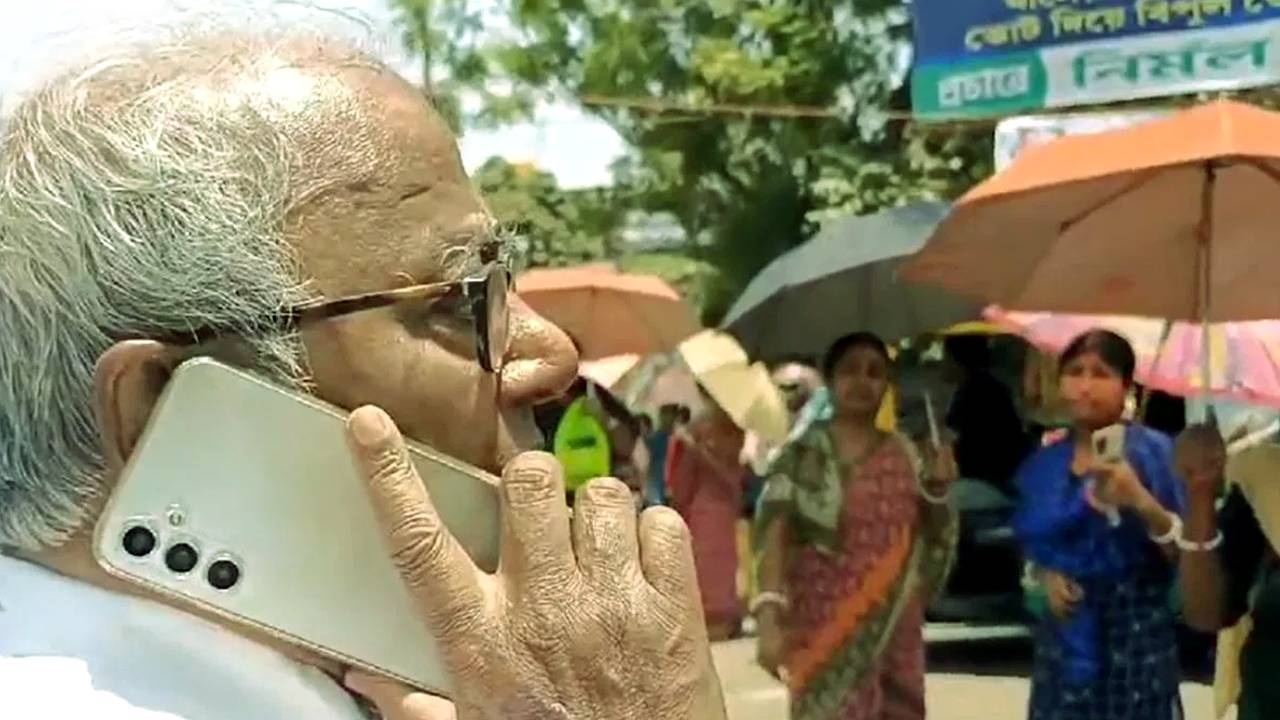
(541, 361)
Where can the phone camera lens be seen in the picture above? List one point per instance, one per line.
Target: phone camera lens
(139, 541)
(181, 558)
(223, 574)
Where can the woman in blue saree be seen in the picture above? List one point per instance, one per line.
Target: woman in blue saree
(1102, 545)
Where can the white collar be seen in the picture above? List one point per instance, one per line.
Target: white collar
(72, 650)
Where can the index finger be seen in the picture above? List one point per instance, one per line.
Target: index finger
(444, 583)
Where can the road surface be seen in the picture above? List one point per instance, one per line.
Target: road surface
(974, 681)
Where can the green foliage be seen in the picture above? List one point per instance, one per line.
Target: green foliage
(749, 184)
(745, 183)
(694, 279)
(558, 228)
(455, 48)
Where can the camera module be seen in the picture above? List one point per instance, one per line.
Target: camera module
(181, 558)
(138, 541)
(223, 574)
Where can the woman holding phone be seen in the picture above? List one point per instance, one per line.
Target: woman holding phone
(855, 534)
(1093, 521)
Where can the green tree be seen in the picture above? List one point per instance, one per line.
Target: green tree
(452, 42)
(757, 118)
(556, 227)
(569, 227)
(778, 112)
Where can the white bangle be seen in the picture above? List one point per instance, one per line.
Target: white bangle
(1174, 536)
(930, 498)
(769, 597)
(1192, 546)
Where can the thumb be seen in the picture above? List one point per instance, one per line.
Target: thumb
(399, 702)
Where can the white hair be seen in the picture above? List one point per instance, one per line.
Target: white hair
(136, 200)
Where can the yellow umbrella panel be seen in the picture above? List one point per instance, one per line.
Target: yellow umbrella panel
(749, 397)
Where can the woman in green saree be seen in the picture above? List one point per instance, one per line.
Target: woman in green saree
(854, 538)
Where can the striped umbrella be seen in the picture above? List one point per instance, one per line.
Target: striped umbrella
(1244, 357)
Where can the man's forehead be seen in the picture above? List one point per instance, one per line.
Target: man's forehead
(386, 201)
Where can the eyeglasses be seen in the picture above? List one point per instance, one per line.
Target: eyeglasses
(482, 297)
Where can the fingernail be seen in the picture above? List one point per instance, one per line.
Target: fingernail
(528, 480)
(369, 426)
(608, 490)
(532, 462)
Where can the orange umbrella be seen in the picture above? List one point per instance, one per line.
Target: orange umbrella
(609, 313)
(1173, 219)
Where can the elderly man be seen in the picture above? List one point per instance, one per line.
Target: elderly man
(212, 180)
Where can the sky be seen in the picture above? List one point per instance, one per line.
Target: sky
(576, 148)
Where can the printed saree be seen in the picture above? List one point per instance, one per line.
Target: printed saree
(705, 484)
(862, 562)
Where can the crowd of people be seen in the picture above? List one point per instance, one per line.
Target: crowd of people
(853, 532)
(191, 183)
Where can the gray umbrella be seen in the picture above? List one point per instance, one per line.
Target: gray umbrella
(842, 280)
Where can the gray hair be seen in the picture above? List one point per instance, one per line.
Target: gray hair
(135, 201)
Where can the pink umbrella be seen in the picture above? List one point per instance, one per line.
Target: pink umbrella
(1245, 363)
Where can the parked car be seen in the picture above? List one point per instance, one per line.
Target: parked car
(985, 584)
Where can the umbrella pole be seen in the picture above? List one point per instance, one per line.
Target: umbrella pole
(1205, 237)
(935, 436)
(1155, 366)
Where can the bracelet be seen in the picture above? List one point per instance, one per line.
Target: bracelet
(1030, 579)
(769, 597)
(930, 498)
(1174, 536)
(1192, 546)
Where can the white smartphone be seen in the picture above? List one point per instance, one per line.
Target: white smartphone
(1108, 444)
(243, 498)
(1108, 447)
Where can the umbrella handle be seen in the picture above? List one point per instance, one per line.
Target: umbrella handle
(1205, 277)
(934, 436)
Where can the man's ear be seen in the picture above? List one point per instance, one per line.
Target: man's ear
(127, 383)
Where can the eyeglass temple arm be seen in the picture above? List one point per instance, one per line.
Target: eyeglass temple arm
(326, 309)
(292, 318)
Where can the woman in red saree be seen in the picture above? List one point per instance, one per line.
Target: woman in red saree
(705, 483)
(855, 537)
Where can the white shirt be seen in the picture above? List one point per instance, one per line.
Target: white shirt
(72, 651)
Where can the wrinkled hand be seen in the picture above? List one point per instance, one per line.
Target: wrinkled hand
(1118, 485)
(1064, 593)
(1200, 456)
(600, 620)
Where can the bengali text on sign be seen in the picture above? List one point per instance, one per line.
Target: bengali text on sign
(996, 56)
